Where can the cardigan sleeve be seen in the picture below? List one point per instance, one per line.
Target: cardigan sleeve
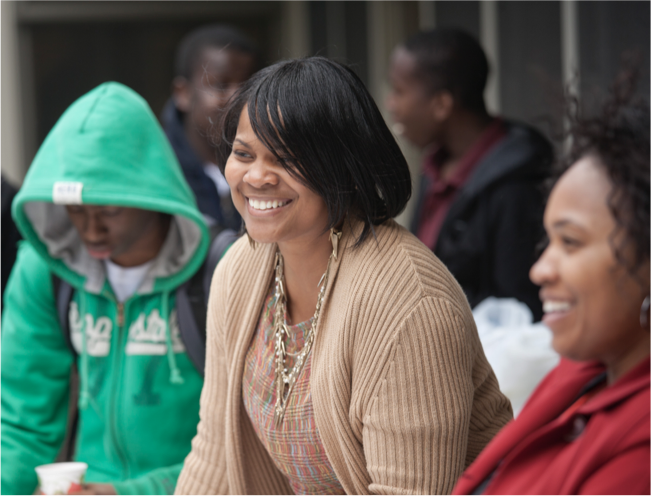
(416, 431)
(204, 471)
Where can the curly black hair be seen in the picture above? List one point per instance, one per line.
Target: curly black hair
(618, 136)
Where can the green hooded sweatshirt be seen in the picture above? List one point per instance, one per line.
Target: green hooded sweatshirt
(139, 392)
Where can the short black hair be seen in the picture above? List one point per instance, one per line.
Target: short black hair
(453, 60)
(188, 53)
(618, 136)
(331, 137)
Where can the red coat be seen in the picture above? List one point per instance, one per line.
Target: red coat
(603, 448)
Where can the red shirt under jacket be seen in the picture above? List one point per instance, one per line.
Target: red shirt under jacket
(602, 448)
(442, 192)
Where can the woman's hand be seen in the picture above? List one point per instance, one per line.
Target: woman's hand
(96, 489)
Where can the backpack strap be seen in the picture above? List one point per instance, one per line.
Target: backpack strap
(191, 325)
(220, 245)
(192, 299)
(63, 295)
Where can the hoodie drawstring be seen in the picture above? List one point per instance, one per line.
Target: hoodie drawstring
(175, 373)
(84, 394)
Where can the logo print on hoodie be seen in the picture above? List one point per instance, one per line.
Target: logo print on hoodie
(98, 333)
(148, 336)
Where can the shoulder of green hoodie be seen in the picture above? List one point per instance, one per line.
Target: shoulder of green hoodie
(35, 359)
(107, 171)
(33, 424)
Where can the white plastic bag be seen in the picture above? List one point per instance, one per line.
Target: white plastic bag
(519, 351)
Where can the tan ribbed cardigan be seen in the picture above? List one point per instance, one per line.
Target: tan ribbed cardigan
(403, 396)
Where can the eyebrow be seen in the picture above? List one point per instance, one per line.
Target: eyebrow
(246, 145)
(567, 222)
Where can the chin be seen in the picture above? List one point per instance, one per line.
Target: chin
(262, 237)
(575, 352)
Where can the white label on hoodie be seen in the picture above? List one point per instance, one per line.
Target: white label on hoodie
(67, 193)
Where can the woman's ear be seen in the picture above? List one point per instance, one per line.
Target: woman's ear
(182, 94)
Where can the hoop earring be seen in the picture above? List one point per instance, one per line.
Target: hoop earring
(644, 311)
(335, 236)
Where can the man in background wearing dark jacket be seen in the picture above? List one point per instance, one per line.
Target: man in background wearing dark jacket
(480, 205)
(211, 63)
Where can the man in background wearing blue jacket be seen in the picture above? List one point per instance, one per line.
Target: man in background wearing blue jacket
(211, 64)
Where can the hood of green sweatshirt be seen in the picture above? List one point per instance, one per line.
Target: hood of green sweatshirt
(108, 149)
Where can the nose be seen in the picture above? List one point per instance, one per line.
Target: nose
(94, 230)
(261, 174)
(544, 271)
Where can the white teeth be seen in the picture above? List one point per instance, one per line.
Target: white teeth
(265, 205)
(555, 306)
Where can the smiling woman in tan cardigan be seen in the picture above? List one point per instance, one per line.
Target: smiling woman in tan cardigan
(386, 388)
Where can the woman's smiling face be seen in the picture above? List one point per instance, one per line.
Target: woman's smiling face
(275, 206)
(591, 302)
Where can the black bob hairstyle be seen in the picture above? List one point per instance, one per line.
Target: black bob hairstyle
(318, 119)
(618, 136)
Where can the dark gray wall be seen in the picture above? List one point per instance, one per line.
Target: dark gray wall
(530, 59)
(349, 19)
(608, 30)
(464, 15)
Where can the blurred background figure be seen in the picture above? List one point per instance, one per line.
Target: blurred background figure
(479, 205)
(585, 430)
(211, 63)
(10, 234)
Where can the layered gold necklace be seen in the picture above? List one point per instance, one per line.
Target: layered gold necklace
(286, 378)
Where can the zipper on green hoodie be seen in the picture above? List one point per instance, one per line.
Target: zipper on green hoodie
(114, 398)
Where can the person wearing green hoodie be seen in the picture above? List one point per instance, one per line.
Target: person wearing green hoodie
(106, 209)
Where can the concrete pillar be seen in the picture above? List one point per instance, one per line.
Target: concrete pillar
(12, 151)
(336, 29)
(570, 45)
(489, 34)
(295, 23)
(426, 15)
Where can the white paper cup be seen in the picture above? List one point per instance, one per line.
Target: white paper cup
(61, 478)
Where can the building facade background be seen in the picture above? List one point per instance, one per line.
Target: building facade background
(53, 52)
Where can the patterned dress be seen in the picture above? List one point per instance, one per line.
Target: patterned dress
(295, 447)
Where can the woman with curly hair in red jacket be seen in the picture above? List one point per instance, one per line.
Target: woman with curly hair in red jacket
(585, 430)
